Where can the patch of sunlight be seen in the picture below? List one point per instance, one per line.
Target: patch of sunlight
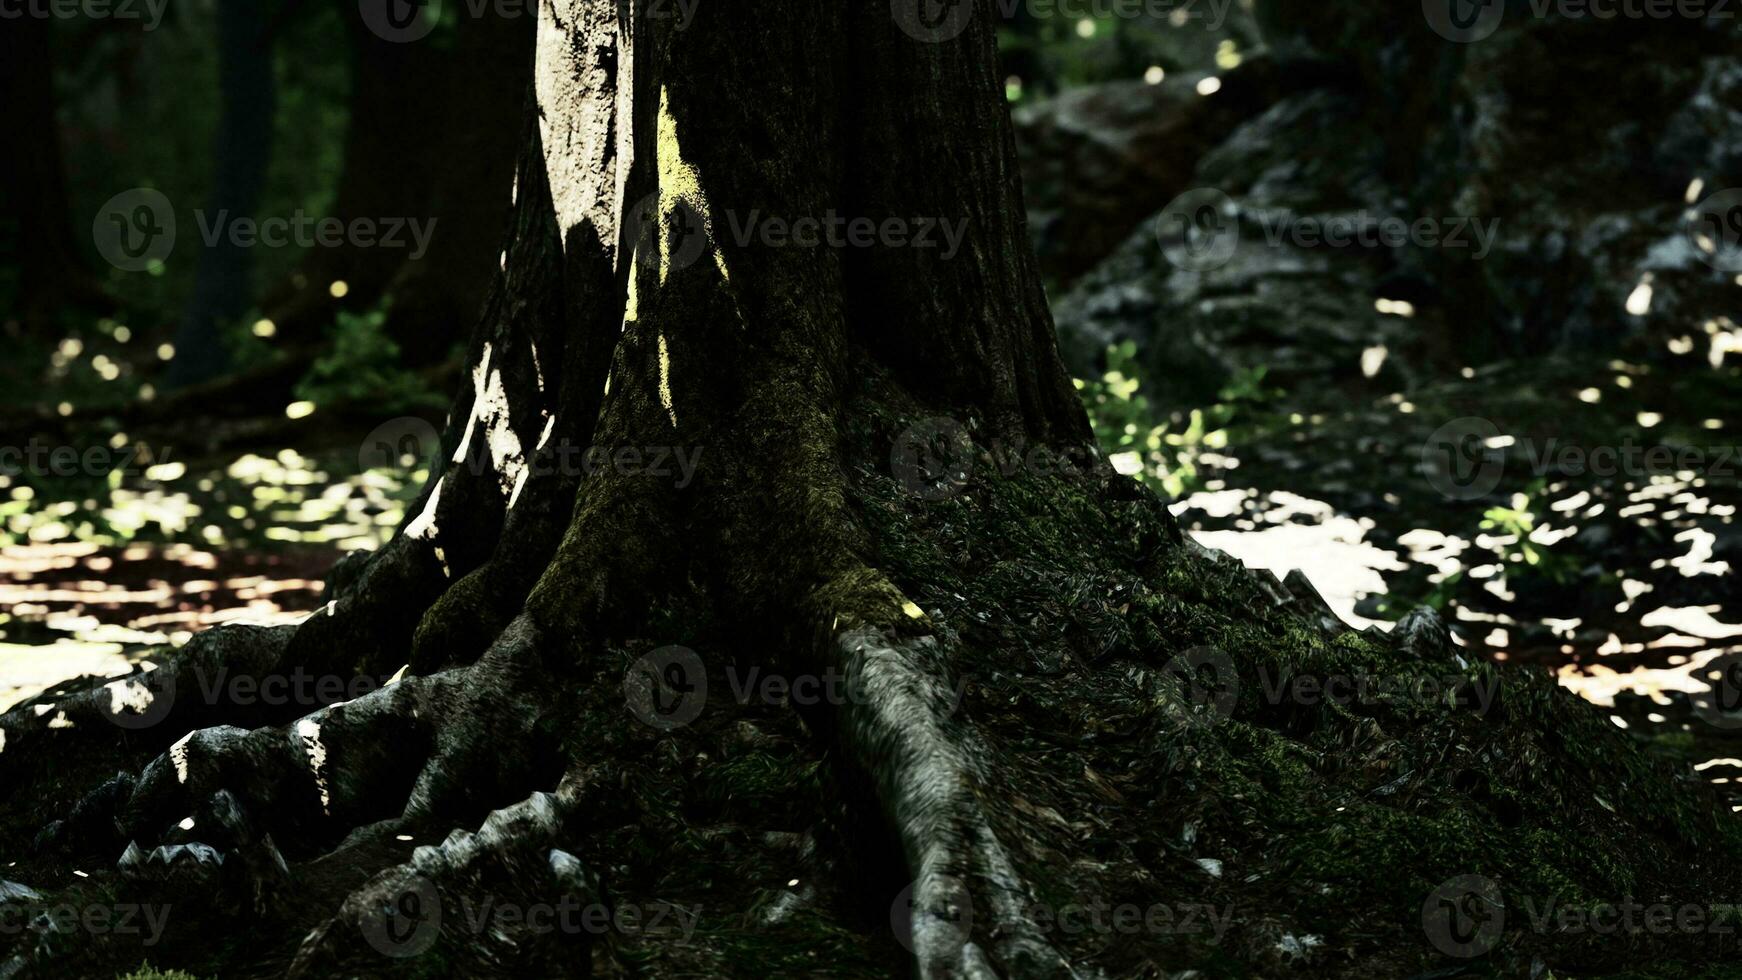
(1639, 301)
(665, 380)
(1331, 552)
(1372, 359)
(30, 670)
(1691, 620)
(1228, 55)
(679, 182)
(1598, 683)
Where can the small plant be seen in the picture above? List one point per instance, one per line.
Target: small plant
(1520, 556)
(148, 972)
(363, 364)
(1162, 452)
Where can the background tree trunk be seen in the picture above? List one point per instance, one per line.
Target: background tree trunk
(36, 226)
(431, 138)
(241, 153)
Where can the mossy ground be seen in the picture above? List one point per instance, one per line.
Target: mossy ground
(1064, 596)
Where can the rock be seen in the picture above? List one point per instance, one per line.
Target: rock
(1096, 161)
(1574, 216)
(1300, 312)
(12, 891)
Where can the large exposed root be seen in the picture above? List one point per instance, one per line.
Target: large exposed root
(902, 728)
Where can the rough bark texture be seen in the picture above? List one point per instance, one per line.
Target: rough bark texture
(1015, 735)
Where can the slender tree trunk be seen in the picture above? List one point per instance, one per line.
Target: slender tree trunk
(37, 232)
(895, 501)
(241, 154)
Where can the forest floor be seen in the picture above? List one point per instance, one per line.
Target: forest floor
(1622, 582)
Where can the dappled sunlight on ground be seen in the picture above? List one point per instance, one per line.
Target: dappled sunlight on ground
(88, 586)
(1577, 539)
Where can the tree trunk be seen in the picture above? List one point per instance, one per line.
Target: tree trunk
(241, 153)
(431, 140)
(999, 714)
(36, 226)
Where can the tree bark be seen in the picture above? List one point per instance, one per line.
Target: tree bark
(37, 232)
(896, 490)
(241, 153)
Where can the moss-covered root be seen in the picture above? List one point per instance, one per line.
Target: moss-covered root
(967, 897)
